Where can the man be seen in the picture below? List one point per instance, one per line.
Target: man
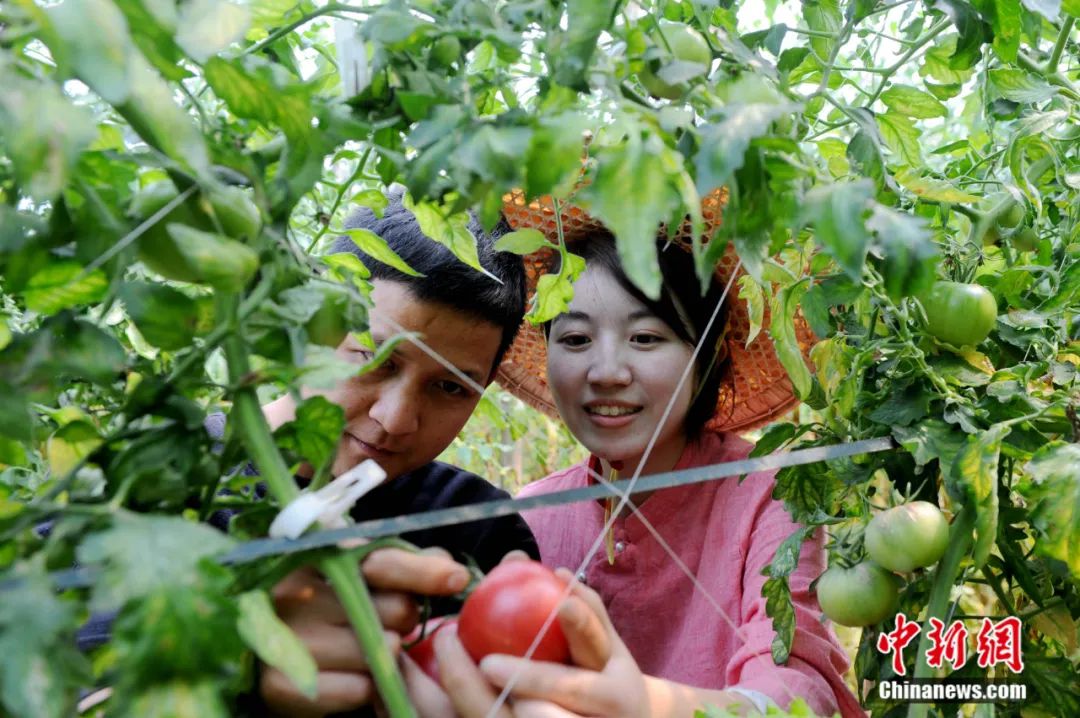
(403, 414)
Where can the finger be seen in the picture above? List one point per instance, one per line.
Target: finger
(516, 555)
(429, 573)
(585, 633)
(466, 686)
(576, 689)
(427, 696)
(337, 692)
(336, 648)
(586, 594)
(540, 709)
(397, 611)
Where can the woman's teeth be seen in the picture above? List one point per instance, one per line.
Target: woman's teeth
(612, 410)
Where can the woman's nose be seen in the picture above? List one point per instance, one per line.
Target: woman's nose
(609, 366)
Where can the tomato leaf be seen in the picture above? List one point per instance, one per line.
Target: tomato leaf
(275, 643)
(782, 331)
(973, 477)
(62, 285)
(912, 102)
(837, 212)
(902, 137)
(1021, 86)
(206, 27)
(1054, 493)
(167, 317)
(376, 247)
(315, 432)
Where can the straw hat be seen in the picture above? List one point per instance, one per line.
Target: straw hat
(756, 388)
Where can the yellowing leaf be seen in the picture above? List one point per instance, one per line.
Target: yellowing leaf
(933, 189)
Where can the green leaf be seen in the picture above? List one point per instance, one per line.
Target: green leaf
(275, 643)
(837, 212)
(206, 27)
(221, 262)
(781, 610)
(256, 89)
(522, 241)
(155, 23)
(1021, 86)
(166, 317)
(44, 153)
(60, 350)
(725, 140)
(315, 432)
(823, 16)
(901, 136)
(753, 295)
(180, 699)
(451, 231)
(553, 295)
(1054, 501)
(633, 196)
(130, 553)
(782, 331)
(1007, 26)
(973, 31)
(973, 477)
(931, 439)
(60, 286)
(93, 44)
(1049, 9)
(553, 161)
(943, 92)
(376, 247)
(931, 188)
(912, 102)
(906, 403)
(571, 49)
(1072, 7)
(908, 252)
(936, 63)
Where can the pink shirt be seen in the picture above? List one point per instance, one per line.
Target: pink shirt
(725, 532)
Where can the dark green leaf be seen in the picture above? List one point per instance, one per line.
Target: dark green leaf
(315, 432)
(781, 610)
(929, 440)
(166, 317)
(259, 90)
(63, 285)
(131, 551)
(837, 212)
(908, 253)
(553, 162)
(904, 405)
(571, 49)
(725, 140)
(973, 32)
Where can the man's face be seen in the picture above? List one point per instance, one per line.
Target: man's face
(405, 412)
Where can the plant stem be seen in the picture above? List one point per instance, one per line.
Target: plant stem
(342, 570)
(285, 30)
(960, 539)
(1059, 45)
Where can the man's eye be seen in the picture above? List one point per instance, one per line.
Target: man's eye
(453, 388)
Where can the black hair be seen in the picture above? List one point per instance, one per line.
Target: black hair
(446, 279)
(682, 307)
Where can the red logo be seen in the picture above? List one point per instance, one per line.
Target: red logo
(995, 643)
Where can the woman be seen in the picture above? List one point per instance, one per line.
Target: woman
(615, 370)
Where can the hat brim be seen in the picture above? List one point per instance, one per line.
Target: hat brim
(756, 389)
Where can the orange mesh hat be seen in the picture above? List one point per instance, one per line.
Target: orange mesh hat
(756, 388)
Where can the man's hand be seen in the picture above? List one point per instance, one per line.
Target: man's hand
(307, 603)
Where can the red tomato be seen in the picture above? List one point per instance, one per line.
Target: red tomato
(423, 652)
(507, 609)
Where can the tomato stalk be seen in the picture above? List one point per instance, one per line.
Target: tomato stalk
(341, 570)
(960, 540)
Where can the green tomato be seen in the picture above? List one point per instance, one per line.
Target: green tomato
(234, 210)
(960, 314)
(688, 46)
(446, 51)
(1025, 240)
(862, 595)
(328, 326)
(907, 537)
(1013, 216)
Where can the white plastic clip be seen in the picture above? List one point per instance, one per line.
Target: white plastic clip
(330, 504)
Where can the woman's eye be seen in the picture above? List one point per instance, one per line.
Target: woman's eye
(646, 339)
(574, 340)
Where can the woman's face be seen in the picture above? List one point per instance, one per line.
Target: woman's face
(613, 367)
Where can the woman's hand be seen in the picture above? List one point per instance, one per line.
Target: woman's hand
(307, 603)
(604, 680)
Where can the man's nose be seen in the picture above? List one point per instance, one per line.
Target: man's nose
(397, 409)
(609, 366)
